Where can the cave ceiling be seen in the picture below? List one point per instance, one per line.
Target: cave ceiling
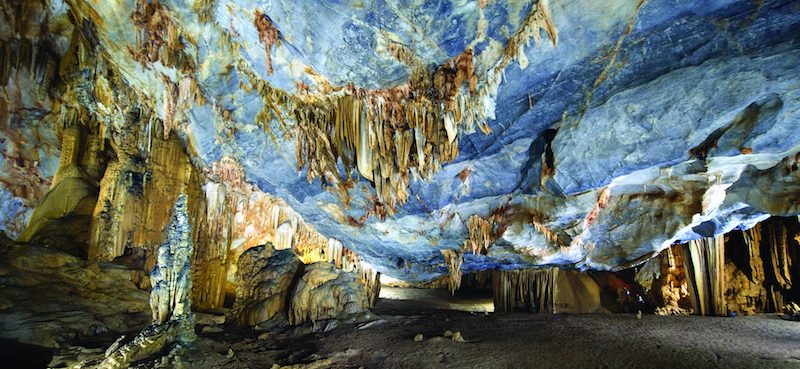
(587, 134)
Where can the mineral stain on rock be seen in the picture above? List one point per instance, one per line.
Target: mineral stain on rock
(229, 183)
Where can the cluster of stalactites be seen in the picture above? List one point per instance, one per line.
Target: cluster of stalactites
(751, 274)
(530, 290)
(34, 55)
(158, 38)
(780, 260)
(348, 261)
(704, 263)
(371, 279)
(178, 99)
(453, 259)
(388, 134)
(382, 135)
(481, 235)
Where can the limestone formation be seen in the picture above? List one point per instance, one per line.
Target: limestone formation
(671, 295)
(525, 290)
(268, 162)
(742, 296)
(453, 259)
(325, 292)
(576, 293)
(704, 264)
(170, 297)
(83, 299)
(665, 279)
(263, 281)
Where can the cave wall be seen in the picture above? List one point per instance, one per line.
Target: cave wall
(91, 170)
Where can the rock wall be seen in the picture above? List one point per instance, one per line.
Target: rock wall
(739, 281)
(83, 300)
(118, 169)
(33, 41)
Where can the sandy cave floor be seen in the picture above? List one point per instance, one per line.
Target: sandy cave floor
(521, 340)
(504, 340)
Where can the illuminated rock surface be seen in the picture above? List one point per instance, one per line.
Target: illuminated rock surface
(263, 283)
(571, 156)
(680, 117)
(325, 292)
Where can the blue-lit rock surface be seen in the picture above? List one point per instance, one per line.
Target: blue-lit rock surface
(647, 123)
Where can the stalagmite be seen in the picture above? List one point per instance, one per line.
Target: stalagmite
(704, 265)
(531, 290)
(453, 259)
(170, 299)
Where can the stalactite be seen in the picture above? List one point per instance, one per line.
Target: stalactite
(213, 217)
(752, 238)
(531, 290)
(371, 279)
(385, 133)
(453, 259)
(704, 265)
(31, 55)
(204, 9)
(477, 280)
(481, 235)
(267, 34)
(158, 38)
(549, 235)
(537, 20)
(778, 243)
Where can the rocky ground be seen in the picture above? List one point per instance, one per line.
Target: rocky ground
(497, 340)
(511, 341)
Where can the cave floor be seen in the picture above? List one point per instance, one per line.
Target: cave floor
(521, 340)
